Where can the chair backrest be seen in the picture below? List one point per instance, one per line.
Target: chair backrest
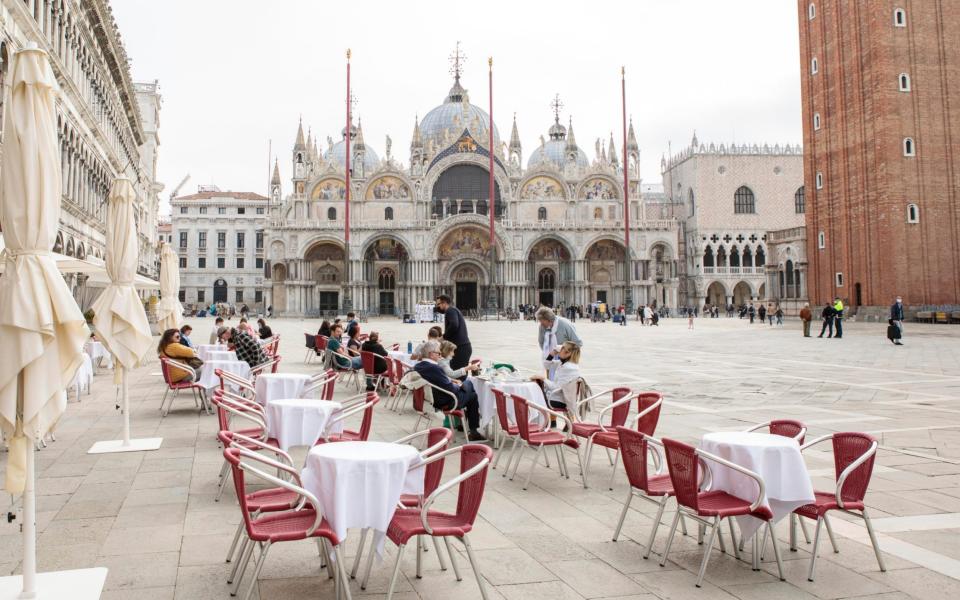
(368, 361)
(522, 414)
(321, 342)
(633, 448)
(647, 424)
(367, 423)
(471, 489)
(434, 470)
(500, 399)
(787, 428)
(165, 370)
(310, 341)
(684, 469)
(328, 389)
(619, 414)
(847, 448)
(419, 398)
(232, 455)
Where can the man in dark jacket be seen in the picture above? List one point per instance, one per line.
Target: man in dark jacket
(896, 316)
(373, 346)
(464, 392)
(827, 315)
(455, 331)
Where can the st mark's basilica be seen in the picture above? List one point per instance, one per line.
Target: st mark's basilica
(422, 229)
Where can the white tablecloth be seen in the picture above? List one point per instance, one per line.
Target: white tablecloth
(402, 357)
(83, 378)
(220, 355)
(299, 422)
(203, 350)
(280, 385)
(528, 390)
(209, 379)
(97, 351)
(358, 484)
(775, 458)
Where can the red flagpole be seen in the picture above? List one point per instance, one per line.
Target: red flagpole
(492, 206)
(628, 300)
(346, 209)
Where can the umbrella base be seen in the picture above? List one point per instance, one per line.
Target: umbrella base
(136, 445)
(79, 584)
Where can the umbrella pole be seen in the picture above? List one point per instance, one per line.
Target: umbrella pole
(29, 515)
(125, 393)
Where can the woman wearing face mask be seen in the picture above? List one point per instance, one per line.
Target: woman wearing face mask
(568, 371)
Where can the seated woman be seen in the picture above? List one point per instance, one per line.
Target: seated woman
(567, 372)
(341, 358)
(324, 329)
(446, 354)
(265, 331)
(170, 347)
(246, 327)
(373, 346)
(435, 334)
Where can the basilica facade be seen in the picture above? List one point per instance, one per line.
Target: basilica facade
(423, 229)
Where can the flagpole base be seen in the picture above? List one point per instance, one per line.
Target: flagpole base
(79, 584)
(136, 445)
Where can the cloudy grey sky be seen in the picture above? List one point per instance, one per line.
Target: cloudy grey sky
(236, 74)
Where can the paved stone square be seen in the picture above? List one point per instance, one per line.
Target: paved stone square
(151, 518)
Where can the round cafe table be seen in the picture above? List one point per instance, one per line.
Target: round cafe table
(358, 484)
(775, 458)
(301, 422)
(208, 377)
(220, 355)
(526, 389)
(280, 385)
(203, 350)
(98, 354)
(403, 357)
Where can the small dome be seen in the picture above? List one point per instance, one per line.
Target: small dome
(454, 115)
(557, 131)
(339, 150)
(556, 152)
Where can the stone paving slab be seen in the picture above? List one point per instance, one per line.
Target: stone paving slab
(152, 520)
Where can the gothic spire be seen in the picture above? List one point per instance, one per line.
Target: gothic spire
(514, 134)
(300, 145)
(612, 152)
(416, 141)
(571, 141)
(632, 138)
(275, 180)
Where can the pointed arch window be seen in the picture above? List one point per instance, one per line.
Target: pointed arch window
(811, 11)
(744, 202)
(546, 279)
(816, 121)
(331, 214)
(761, 258)
(708, 257)
(799, 201)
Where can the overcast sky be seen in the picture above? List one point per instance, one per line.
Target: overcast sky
(236, 74)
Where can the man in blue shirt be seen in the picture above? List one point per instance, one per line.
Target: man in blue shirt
(341, 357)
(464, 392)
(185, 332)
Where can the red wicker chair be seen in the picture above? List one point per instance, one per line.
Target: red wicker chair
(541, 438)
(166, 366)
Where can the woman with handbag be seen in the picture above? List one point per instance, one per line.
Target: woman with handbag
(170, 347)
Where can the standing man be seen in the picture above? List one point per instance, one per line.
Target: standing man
(455, 331)
(806, 316)
(838, 318)
(896, 315)
(554, 331)
(827, 315)
(623, 316)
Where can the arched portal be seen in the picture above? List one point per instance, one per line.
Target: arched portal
(219, 290)
(385, 255)
(606, 270)
(552, 256)
(466, 280)
(464, 188)
(717, 294)
(324, 266)
(742, 293)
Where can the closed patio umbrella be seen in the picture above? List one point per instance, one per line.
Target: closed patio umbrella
(41, 326)
(119, 317)
(169, 309)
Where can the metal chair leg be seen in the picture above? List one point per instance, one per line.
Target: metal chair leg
(356, 559)
(419, 557)
(236, 540)
(656, 526)
(706, 551)
(585, 465)
(563, 460)
(256, 570)
(476, 568)
(776, 549)
(396, 571)
(613, 473)
(733, 540)
(342, 573)
(793, 532)
(803, 529)
(436, 546)
(873, 539)
(533, 466)
(244, 561)
(453, 558)
(833, 540)
(366, 572)
(239, 561)
(623, 514)
(816, 547)
(673, 530)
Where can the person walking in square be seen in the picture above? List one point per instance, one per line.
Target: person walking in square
(896, 319)
(806, 315)
(779, 315)
(752, 312)
(838, 318)
(827, 314)
(762, 313)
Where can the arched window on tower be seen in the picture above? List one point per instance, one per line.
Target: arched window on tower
(909, 148)
(388, 214)
(899, 18)
(814, 66)
(744, 201)
(811, 11)
(331, 214)
(913, 213)
(542, 213)
(816, 121)
(904, 82)
(799, 201)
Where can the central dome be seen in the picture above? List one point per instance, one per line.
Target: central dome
(453, 116)
(338, 151)
(555, 151)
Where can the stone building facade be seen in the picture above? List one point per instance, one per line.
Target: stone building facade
(219, 239)
(99, 121)
(881, 120)
(422, 229)
(728, 198)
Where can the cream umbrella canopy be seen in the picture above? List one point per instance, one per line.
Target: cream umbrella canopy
(169, 309)
(119, 317)
(41, 326)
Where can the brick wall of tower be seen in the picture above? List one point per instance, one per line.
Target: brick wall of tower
(868, 183)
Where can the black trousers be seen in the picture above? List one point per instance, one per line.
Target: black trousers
(461, 356)
(827, 324)
(466, 401)
(838, 324)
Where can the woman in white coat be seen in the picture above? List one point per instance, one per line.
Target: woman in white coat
(567, 373)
